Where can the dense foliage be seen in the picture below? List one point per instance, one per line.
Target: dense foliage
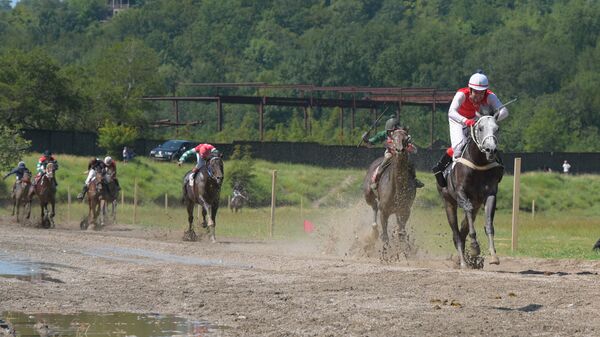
(69, 64)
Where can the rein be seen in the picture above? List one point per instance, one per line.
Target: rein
(475, 134)
(209, 169)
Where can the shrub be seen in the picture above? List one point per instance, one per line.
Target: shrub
(112, 137)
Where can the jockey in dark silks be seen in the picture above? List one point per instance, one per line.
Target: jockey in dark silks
(41, 166)
(391, 125)
(110, 163)
(19, 172)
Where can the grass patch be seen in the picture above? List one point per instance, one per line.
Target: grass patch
(565, 225)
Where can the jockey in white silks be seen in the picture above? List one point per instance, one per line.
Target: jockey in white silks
(467, 106)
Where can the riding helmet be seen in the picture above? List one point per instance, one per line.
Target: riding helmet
(392, 124)
(47, 153)
(478, 82)
(108, 160)
(21, 164)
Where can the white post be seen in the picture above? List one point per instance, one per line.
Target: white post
(515, 209)
(68, 204)
(166, 202)
(533, 209)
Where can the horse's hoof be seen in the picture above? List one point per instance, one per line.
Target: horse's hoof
(494, 260)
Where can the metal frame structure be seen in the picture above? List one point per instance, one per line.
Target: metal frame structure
(311, 96)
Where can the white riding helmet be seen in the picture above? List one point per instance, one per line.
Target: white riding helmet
(21, 164)
(478, 82)
(107, 160)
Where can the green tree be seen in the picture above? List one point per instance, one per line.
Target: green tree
(112, 137)
(12, 147)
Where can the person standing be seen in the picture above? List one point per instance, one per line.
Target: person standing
(566, 167)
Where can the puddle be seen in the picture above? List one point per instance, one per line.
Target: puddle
(25, 270)
(106, 324)
(146, 256)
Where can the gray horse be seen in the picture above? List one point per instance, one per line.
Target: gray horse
(205, 190)
(473, 182)
(396, 189)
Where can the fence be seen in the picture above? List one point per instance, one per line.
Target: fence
(85, 143)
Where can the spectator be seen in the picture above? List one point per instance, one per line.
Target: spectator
(566, 167)
(126, 155)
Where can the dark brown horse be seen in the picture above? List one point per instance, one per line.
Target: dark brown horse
(45, 190)
(205, 190)
(473, 182)
(396, 189)
(109, 195)
(20, 196)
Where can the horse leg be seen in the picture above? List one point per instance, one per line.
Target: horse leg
(212, 222)
(490, 210)
(383, 217)
(470, 217)
(204, 223)
(190, 235)
(456, 237)
(52, 214)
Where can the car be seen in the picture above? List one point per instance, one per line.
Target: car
(171, 149)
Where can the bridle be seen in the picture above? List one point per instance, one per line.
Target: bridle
(209, 168)
(476, 134)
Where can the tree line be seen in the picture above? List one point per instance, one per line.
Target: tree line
(71, 65)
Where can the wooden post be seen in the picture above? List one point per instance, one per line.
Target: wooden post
(123, 197)
(229, 202)
(135, 187)
(533, 209)
(301, 209)
(272, 203)
(166, 202)
(68, 204)
(515, 209)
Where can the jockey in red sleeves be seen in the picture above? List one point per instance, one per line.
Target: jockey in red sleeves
(202, 152)
(468, 105)
(41, 166)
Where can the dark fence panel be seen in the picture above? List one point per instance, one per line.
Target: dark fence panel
(85, 143)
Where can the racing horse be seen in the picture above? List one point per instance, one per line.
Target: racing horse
(109, 195)
(473, 182)
(45, 190)
(20, 196)
(205, 190)
(396, 189)
(237, 201)
(93, 198)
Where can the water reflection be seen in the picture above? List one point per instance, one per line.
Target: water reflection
(106, 324)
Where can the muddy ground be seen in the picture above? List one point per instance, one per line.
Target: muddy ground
(294, 288)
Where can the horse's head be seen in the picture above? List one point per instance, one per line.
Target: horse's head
(484, 134)
(215, 168)
(50, 168)
(400, 140)
(109, 175)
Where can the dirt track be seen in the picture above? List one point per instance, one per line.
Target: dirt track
(292, 289)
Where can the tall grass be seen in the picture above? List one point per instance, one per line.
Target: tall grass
(566, 223)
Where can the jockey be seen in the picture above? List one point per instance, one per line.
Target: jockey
(391, 125)
(110, 163)
(202, 152)
(19, 172)
(467, 106)
(41, 166)
(238, 191)
(95, 165)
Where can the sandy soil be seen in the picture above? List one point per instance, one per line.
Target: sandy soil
(293, 288)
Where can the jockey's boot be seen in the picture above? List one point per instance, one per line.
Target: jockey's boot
(438, 169)
(413, 173)
(375, 179)
(54, 181)
(83, 192)
(194, 172)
